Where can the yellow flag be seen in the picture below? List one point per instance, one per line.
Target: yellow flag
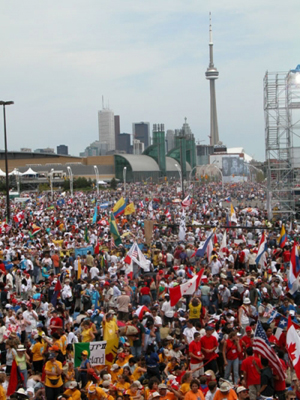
(111, 349)
(129, 209)
(79, 270)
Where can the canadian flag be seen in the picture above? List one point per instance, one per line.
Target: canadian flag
(187, 288)
(293, 346)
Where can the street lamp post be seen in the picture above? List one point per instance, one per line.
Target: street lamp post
(97, 178)
(71, 180)
(215, 166)
(51, 182)
(18, 180)
(124, 179)
(6, 103)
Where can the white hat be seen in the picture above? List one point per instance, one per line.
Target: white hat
(221, 287)
(224, 387)
(114, 367)
(72, 384)
(240, 389)
(247, 301)
(155, 394)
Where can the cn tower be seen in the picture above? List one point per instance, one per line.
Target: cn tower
(212, 74)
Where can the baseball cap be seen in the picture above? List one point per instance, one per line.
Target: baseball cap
(85, 353)
(248, 329)
(162, 386)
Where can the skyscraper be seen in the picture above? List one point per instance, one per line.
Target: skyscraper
(62, 149)
(117, 130)
(141, 131)
(212, 74)
(106, 123)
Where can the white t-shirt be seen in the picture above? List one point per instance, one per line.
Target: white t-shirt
(29, 315)
(167, 309)
(189, 334)
(94, 272)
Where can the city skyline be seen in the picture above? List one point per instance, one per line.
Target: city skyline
(149, 60)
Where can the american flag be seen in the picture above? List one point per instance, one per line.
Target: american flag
(262, 346)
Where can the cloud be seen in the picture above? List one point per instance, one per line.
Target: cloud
(147, 58)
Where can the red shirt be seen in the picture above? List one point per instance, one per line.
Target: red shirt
(286, 256)
(280, 384)
(231, 350)
(246, 342)
(253, 377)
(145, 291)
(273, 339)
(195, 348)
(208, 343)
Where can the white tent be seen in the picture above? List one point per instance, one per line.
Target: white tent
(29, 172)
(15, 172)
(102, 183)
(2, 173)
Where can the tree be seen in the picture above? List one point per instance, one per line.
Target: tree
(113, 184)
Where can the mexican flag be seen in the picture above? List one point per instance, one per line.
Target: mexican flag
(99, 353)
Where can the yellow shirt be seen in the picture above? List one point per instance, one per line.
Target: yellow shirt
(109, 329)
(185, 387)
(2, 393)
(98, 395)
(63, 344)
(86, 335)
(114, 375)
(137, 373)
(122, 387)
(51, 368)
(74, 393)
(194, 312)
(38, 351)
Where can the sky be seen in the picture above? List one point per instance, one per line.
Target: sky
(147, 58)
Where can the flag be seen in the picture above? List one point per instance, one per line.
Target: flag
(79, 269)
(201, 252)
(281, 326)
(60, 202)
(78, 349)
(95, 215)
(187, 288)
(140, 311)
(215, 239)
(293, 346)
(187, 201)
(262, 346)
(16, 379)
(150, 209)
(182, 227)
(129, 209)
(228, 199)
(209, 249)
(168, 215)
(282, 238)
(262, 248)
(293, 282)
(132, 254)
(119, 207)
(223, 245)
(233, 215)
(274, 314)
(105, 205)
(56, 294)
(86, 235)
(114, 230)
(141, 205)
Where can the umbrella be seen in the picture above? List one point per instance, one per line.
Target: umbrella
(250, 210)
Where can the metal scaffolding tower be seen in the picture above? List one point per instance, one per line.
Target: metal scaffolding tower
(281, 104)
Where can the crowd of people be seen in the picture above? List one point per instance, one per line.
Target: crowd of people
(64, 281)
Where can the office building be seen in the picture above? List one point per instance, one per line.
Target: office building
(141, 132)
(138, 147)
(62, 149)
(124, 142)
(47, 150)
(106, 124)
(170, 139)
(117, 130)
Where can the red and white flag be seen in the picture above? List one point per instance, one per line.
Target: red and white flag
(140, 311)
(223, 246)
(132, 254)
(187, 288)
(293, 346)
(187, 201)
(168, 215)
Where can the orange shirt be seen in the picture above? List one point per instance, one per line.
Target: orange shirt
(194, 396)
(221, 396)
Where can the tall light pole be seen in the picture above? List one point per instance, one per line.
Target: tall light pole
(18, 180)
(215, 166)
(6, 103)
(51, 182)
(71, 180)
(124, 179)
(190, 175)
(97, 178)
